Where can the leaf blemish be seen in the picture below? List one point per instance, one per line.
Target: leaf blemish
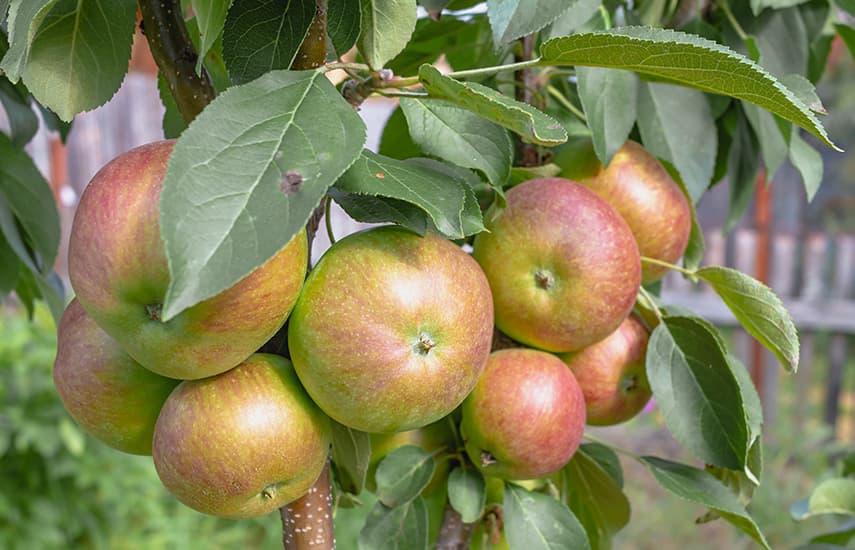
(291, 182)
(380, 175)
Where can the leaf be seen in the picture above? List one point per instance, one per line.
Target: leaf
(344, 20)
(25, 194)
(386, 28)
(448, 201)
(396, 141)
(351, 453)
(832, 496)
(808, 162)
(467, 493)
(53, 122)
(841, 535)
(606, 459)
(675, 125)
(24, 19)
(847, 34)
(264, 35)
(173, 123)
(685, 59)
(531, 124)
(758, 309)
(694, 253)
(401, 528)
(459, 136)
(370, 209)
(773, 146)
(80, 54)
(609, 98)
(430, 40)
(596, 498)
(222, 209)
(210, 17)
(9, 266)
(759, 5)
(4, 9)
(511, 19)
(535, 521)
(697, 392)
(402, 475)
(805, 91)
(742, 165)
(23, 123)
(700, 487)
(579, 12)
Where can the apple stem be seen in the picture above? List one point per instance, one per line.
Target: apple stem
(454, 533)
(307, 522)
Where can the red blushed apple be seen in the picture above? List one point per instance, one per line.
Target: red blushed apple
(612, 374)
(242, 443)
(563, 265)
(525, 418)
(106, 392)
(118, 269)
(392, 330)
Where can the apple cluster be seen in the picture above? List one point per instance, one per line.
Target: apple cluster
(390, 333)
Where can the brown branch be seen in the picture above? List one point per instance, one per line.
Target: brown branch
(307, 522)
(169, 41)
(454, 533)
(526, 84)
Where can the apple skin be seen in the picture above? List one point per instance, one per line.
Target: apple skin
(612, 374)
(242, 443)
(105, 391)
(563, 265)
(118, 268)
(392, 330)
(525, 418)
(637, 185)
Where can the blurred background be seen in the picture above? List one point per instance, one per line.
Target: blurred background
(60, 488)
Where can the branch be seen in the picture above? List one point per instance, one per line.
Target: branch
(164, 28)
(307, 522)
(526, 83)
(454, 533)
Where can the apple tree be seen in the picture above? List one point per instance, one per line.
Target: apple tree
(537, 179)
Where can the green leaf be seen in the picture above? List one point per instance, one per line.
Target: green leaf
(842, 535)
(467, 493)
(697, 392)
(596, 498)
(609, 98)
(702, 488)
(23, 122)
(396, 141)
(173, 123)
(773, 146)
(512, 19)
(742, 165)
(847, 5)
(404, 527)
(694, 253)
(759, 310)
(386, 28)
(459, 136)
(579, 12)
(25, 194)
(535, 521)
(675, 125)
(531, 124)
(210, 17)
(807, 161)
(264, 35)
(80, 54)
(759, 5)
(370, 209)
(473, 45)
(402, 475)
(832, 496)
(430, 40)
(606, 459)
(25, 17)
(9, 266)
(219, 229)
(685, 59)
(805, 91)
(847, 34)
(448, 201)
(4, 10)
(71, 437)
(344, 19)
(351, 453)
(53, 122)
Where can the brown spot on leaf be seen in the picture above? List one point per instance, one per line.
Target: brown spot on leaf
(291, 182)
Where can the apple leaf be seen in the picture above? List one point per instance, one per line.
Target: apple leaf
(593, 494)
(370, 209)
(535, 521)
(832, 496)
(447, 200)
(351, 454)
(609, 98)
(396, 141)
(449, 132)
(402, 475)
(173, 123)
(23, 123)
(606, 459)
(742, 165)
(511, 19)
(9, 266)
(773, 146)
(759, 310)
(264, 35)
(846, 32)
(211, 17)
(24, 19)
(79, 56)
(387, 26)
(807, 161)
(241, 182)
(403, 527)
(532, 125)
(467, 493)
(684, 59)
(697, 392)
(703, 488)
(344, 20)
(579, 12)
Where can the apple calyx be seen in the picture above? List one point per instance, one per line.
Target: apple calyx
(424, 344)
(544, 279)
(154, 311)
(487, 458)
(629, 383)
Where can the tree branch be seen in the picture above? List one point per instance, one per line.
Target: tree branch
(307, 522)
(526, 84)
(169, 41)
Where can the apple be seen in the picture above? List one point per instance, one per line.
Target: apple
(118, 268)
(105, 391)
(432, 438)
(242, 443)
(563, 265)
(612, 374)
(637, 185)
(525, 417)
(392, 330)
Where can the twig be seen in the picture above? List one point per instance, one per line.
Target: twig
(526, 84)
(307, 522)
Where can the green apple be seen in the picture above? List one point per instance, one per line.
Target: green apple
(637, 185)
(392, 330)
(106, 392)
(612, 374)
(563, 265)
(118, 269)
(525, 417)
(242, 443)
